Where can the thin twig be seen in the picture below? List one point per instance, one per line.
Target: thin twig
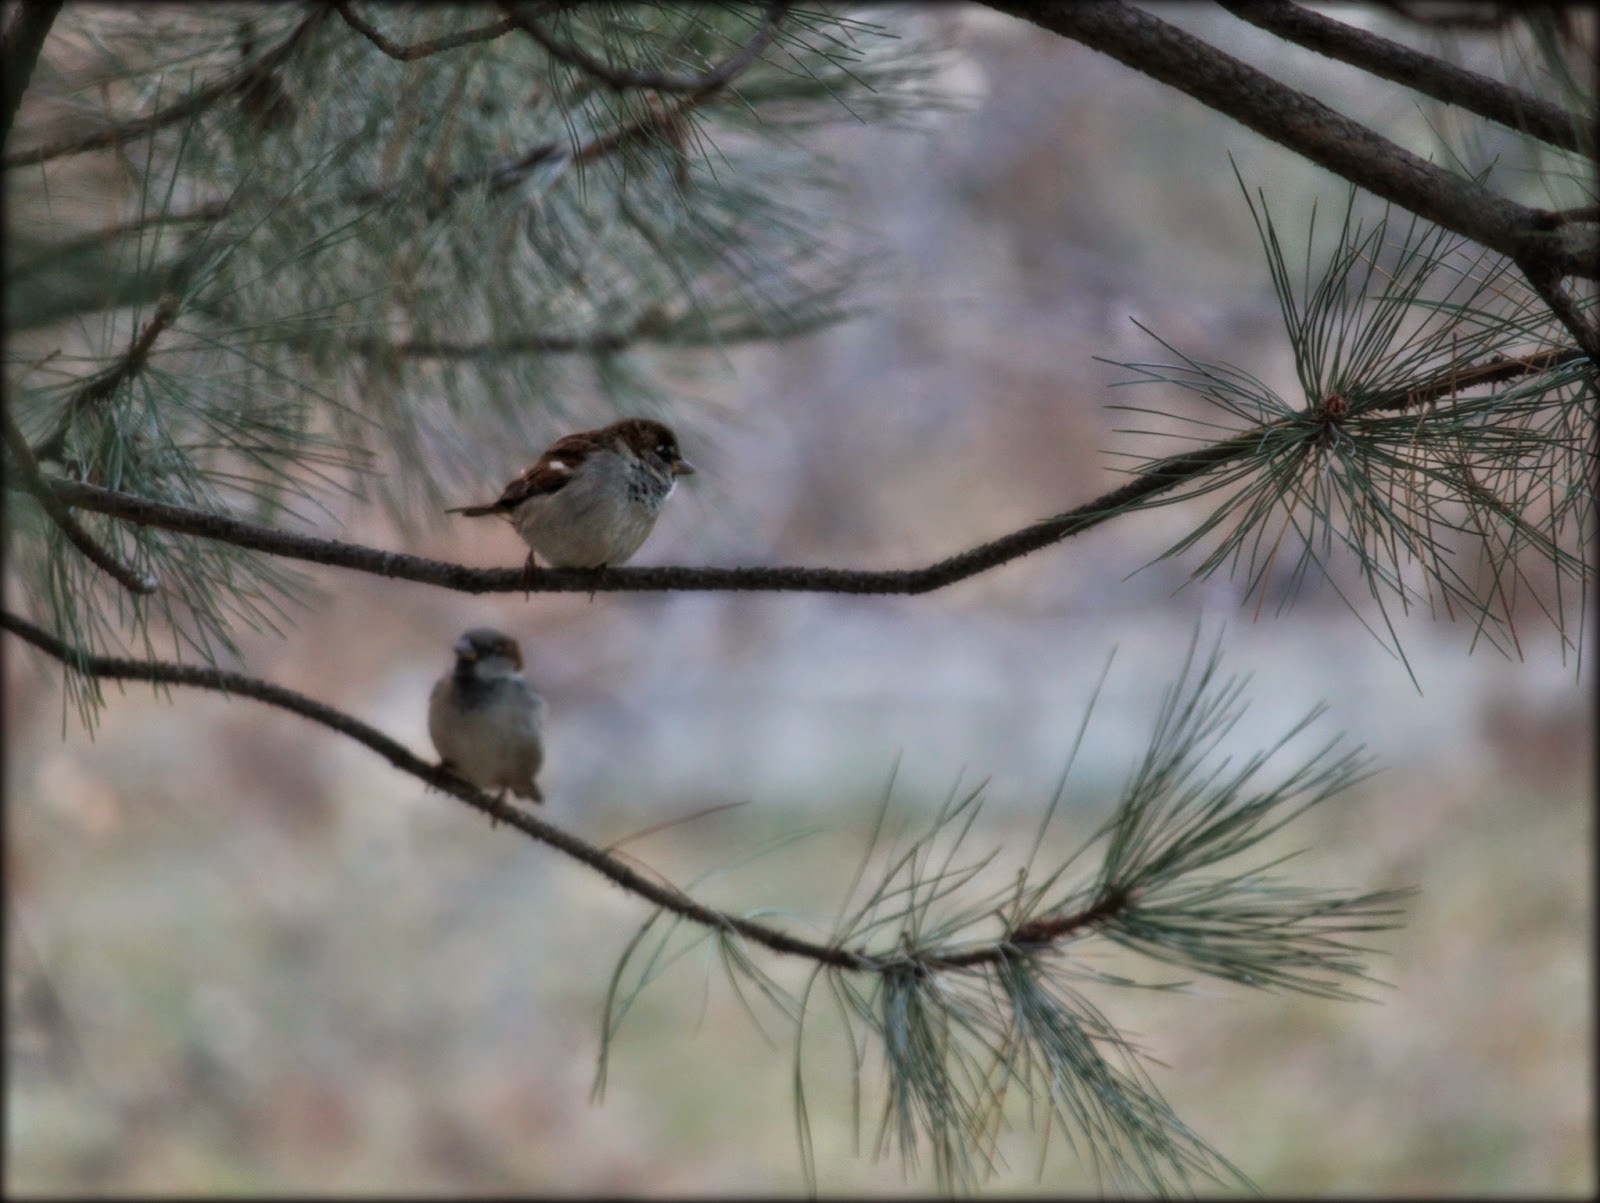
(28, 471)
(611, 867)
(1159, 478)
(408, 54)
(515, 344)
(103, 386)
(244, 77)
(622, 78)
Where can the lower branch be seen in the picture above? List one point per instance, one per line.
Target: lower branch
(607, 865)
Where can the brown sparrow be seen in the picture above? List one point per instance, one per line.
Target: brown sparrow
(485, 719)
(591, 499)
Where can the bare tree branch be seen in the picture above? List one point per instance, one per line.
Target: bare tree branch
(408, 54)
(621, 78)
(242, 79)
(1444, 81)
(28, 470)
(1314, 131)
(1160, 478)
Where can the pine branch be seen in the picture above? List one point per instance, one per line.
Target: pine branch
(961, 1020)
(242, 685)
(1443, 81)
(1162, 477)
(1112, 902)
(1312, 130)
(622, 79)
(101, 388)
(240, 80)
(610, 866)
(27, 469)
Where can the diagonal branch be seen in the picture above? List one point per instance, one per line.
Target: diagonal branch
(19, 54)
(1159, 478)
(1315, 132)
(622, 78)
(602, 862)
(1444, 81)
(1585, 330)
(28, 470)
(241, 79)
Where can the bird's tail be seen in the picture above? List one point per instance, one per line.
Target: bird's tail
(474, 511)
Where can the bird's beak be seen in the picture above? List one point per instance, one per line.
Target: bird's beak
(683, 468)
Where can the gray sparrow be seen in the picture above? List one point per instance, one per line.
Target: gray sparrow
(485, 719)
(592, 498)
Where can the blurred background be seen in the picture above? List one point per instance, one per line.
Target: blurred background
(245, 955)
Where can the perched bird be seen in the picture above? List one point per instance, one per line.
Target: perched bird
(485, 719)
(591, 499)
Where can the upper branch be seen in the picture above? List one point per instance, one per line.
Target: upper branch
(1444, 81)
(1166, 475)
(621, 78)
(407, 54)
(1159, 478)
(1316, 132)
(241, 79)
